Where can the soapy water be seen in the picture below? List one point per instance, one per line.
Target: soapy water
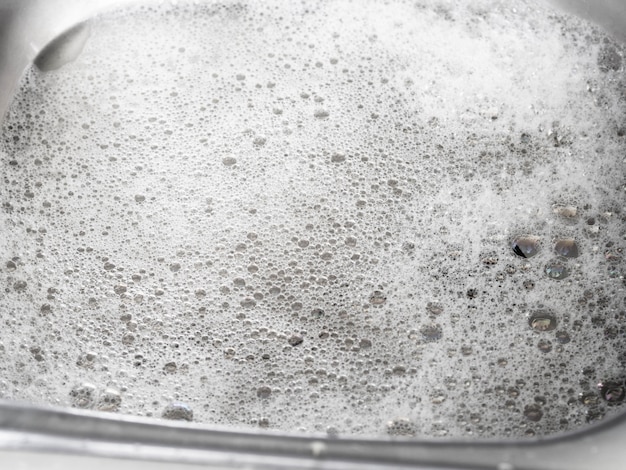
(372, 218)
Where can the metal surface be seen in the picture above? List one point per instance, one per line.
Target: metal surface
(54, 431)
(609, 14)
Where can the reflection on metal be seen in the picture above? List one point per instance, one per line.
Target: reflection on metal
(27, 431)
(609, 14)
(63, 49)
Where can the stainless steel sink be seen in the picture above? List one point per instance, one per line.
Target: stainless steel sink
(52, 32)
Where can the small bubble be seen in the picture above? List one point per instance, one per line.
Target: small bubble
(525, 246)
(11, 266)
(229, 161)
(431, 333)
(263, 392)
(170, 367)
(544, 346)
(140, 198)
(109, 266)
(588, 398)
(45, 309)
(295, 340)
(533, 412)
(378, 298)
(175, 267)
(566, 247)
(317, 313)
(321, 113)
(248, 302)
(338, 158)
(542, 320)
(557, 270)
(612, 392)
(128, 338)
(562, 337)
(178, 411)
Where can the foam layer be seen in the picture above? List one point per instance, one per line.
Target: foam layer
(348, 217)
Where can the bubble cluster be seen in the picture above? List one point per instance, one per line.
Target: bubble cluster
(406, 219)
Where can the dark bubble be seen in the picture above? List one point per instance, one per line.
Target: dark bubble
(588, 398)
(612, 392)
(563, 337)
(566, 247)
(295, 340)
(170, 367)
(109, 266)
(557, 270)
(533, 413)
(542, 320)
(544, 345)
(525, 246)
(64, 49)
